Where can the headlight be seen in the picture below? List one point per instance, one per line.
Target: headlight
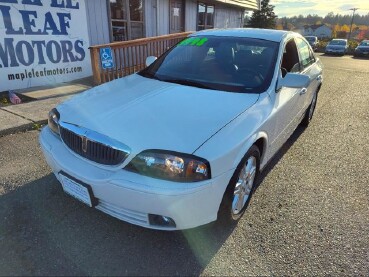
(171, 166)
(53, 120)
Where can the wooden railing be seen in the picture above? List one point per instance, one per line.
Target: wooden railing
(130, 56)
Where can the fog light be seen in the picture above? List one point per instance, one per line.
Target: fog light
(160, 220)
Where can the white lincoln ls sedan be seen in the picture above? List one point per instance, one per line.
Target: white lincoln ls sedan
(182, 142)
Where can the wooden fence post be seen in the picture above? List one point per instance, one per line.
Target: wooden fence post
(95, 57)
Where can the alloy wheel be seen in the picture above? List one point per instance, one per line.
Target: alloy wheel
(244, 185)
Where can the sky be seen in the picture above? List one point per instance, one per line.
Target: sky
(319, 7)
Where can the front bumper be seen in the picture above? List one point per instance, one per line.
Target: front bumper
(335, 51)
(361, 53)
(132, 197)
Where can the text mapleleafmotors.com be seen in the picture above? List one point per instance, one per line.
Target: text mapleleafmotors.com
(28, 74)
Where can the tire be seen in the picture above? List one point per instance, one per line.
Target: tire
(233, 206)
(310, 111)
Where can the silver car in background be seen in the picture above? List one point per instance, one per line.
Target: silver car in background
(337, 46)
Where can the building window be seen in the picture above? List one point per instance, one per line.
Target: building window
(205, 16)
(127, 19)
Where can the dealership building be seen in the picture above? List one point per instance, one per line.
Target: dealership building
(46, 41)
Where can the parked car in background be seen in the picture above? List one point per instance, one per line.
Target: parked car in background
(182, 142)
(337, 46)
(313, 41)
(362, 49)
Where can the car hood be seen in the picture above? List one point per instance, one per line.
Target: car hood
(363, 48)
(149, 114)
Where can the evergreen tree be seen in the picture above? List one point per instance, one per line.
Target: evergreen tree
(263, 18)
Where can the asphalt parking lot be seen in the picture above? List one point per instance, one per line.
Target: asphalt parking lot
(309, 216)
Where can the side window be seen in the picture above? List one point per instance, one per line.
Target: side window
(290, 60)
(306, 56)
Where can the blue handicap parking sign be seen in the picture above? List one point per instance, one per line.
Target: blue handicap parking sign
(106, 58)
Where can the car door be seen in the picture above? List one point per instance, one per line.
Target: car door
(308, 66)
(287, 102)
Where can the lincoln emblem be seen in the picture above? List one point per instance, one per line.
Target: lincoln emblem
(84, 144)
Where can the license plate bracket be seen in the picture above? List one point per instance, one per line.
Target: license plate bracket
(78, 189)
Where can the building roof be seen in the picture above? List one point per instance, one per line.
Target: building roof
(246, 4)
(267, 34)
(316, 26)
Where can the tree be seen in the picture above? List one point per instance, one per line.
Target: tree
(263, 18)
(279, 27)
(335, 30)
(341, 34)
(330, 18)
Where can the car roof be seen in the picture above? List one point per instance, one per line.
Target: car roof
(266, 34)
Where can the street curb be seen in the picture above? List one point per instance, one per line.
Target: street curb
(23, 128)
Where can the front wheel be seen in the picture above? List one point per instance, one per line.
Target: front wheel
(310, 111)
(241, 187)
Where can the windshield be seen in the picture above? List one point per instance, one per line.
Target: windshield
(364, 43)
(337, 42)
(219, 63)
(310, 39)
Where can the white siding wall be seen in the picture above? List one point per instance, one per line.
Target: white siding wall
(227, 17)
(305, 32)
(320, 32)
(150, 18)
(163, 13)
(323, 31)
(163, 22)
(246, 4)
(190, 15)
(97, 21)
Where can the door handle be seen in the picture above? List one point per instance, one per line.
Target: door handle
(303, 91)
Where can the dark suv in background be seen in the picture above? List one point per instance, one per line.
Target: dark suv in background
(362, 49)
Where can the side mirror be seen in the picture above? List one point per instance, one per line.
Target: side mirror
(293, 80)
(150, 60)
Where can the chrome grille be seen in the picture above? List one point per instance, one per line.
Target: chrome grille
(92, 145)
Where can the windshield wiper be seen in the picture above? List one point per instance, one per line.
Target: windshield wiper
(187, 83)
(149, 75)
(222, 87)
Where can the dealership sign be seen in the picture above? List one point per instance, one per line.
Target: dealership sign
(42, 42)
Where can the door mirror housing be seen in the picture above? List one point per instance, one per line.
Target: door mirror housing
(150, 60)
(293, 80)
